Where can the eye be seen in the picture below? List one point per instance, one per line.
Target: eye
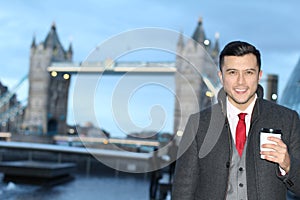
(249, 72)
(231, 72)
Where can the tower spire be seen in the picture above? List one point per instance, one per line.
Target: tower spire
(199, 35)
(70, 50)
(53, 26)
(33, 44)
(180, 42)
(52, 40)
(180, 45)
(216, 49)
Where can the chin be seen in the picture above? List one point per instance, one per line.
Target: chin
(241, 101)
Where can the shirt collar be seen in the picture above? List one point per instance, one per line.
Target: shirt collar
(232, 111)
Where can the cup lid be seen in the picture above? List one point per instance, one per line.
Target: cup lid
(271, 130)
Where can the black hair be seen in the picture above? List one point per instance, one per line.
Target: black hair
(239, 48)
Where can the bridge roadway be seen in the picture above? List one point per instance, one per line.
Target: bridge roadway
(141, 68)
(118, 68)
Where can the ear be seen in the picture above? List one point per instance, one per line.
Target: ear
(260, 75)
(220, 76)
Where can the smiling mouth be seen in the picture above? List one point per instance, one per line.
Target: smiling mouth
(240, 90)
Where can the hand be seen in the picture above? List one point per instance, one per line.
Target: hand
(279, 154)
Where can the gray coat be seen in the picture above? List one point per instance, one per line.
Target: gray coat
(205, 151)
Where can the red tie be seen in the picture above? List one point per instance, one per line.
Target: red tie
(240, 135)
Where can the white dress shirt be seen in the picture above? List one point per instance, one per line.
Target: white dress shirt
(233, 118)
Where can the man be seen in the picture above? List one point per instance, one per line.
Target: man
(211, 166)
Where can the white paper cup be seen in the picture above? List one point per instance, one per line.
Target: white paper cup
(264, 134)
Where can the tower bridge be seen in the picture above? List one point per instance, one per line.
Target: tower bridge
(194, 70)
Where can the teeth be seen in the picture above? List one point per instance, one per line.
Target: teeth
(240, 90)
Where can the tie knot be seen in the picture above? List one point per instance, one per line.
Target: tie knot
(242, 116)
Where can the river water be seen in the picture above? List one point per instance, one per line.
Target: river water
(82, 187)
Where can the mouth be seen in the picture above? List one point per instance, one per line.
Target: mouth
(240, 90)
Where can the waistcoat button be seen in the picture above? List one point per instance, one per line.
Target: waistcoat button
(227, 164)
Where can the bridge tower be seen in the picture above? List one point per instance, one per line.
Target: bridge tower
(48, 95)
(193, 57)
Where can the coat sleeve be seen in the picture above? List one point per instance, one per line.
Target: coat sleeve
(187, 167)
(292, 179)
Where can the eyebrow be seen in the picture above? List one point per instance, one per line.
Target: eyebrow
(230, 69)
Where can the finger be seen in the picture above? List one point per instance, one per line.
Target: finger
(275, 139)
(268, 145)
(276, 148)
(269, 153)
(271, 158)
(274, 157)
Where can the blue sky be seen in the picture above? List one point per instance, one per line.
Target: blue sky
(271, 25)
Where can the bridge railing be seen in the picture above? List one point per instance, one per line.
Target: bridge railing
(5, 136)
(70, 139)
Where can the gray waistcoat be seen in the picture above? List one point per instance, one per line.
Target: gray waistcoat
(237, 187)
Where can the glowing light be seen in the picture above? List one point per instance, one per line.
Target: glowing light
(274, 96)
(179, 133)
(206, 42)
(209, 94)
(71, 131)
(105, 141)
(66, 76)
(53, 73)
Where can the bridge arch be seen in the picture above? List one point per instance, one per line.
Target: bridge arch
(52, 126)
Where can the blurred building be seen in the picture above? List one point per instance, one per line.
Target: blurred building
(196, 64)
(291, 94)
(48, 94)
(11, 111)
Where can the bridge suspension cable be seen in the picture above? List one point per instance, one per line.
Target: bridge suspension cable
(4, 99)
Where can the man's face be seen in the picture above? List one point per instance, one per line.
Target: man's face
(240, 76)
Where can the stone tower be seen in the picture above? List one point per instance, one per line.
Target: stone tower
(48, 94)
(196, 63)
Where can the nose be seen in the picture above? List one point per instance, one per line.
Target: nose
(241, 78)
